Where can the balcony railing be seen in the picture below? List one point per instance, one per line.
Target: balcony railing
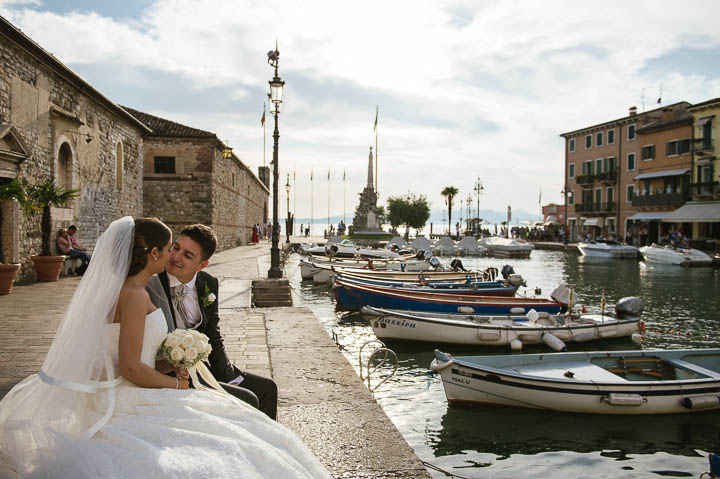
(608, 176)
(661, 199)
(708, 188)
(585, 179)
(598, 208)
(701, 145)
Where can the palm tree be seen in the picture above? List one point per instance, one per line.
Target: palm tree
(42, 196)
(449, 193)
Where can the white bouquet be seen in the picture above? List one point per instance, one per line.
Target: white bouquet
(185, 347)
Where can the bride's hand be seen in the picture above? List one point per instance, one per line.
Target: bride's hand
(182, 373)
(183, 384)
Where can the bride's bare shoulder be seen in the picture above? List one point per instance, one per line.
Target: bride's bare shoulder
(133, 298)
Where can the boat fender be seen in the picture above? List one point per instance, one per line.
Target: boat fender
(532, 315)
(701, 402)
(517, 310)
(516, 345)
(553, 342)
(619, 399)
(465, 310)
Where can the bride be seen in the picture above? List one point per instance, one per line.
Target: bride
(100, 406)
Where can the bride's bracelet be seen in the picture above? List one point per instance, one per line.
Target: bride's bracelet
(177, 383)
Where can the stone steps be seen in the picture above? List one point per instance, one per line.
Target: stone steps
(270, 293)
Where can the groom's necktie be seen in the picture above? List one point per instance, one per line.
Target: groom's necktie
(179, 293)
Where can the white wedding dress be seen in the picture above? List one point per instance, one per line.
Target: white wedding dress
(158, 433)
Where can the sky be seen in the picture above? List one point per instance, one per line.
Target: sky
(466, 91)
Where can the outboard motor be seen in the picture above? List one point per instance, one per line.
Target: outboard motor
(457, 265)
(631, 306)
(506, 271)
(420, 254)
(435, 263)
(427, 255)
(331, 250)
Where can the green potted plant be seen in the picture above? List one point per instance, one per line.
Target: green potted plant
(42, 197)
(12, 190)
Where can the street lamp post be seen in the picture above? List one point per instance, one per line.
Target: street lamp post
(565, 212)
(276, 93)
(468, 203)
(478, 189)
(288, 223)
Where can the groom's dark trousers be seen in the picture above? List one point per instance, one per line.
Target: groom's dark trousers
(259, 391)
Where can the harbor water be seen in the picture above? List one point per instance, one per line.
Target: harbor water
(682, 310)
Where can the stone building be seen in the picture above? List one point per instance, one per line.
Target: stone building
(187, 179)
(53, 124)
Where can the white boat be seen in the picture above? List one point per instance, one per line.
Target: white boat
(309, 267)
(675, 255)
(607, 249)
(348, 249)
(655, 381)
(506, 248)
(515, 331)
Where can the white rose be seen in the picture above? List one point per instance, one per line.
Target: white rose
(199, 344)
(172, 341)
(191, 353)
(176, 354)
(207, 349)
(211, 297)
(187, 341)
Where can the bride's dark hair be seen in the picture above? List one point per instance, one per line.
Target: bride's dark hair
(149, 233)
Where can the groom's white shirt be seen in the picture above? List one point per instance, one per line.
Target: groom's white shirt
(192, 307)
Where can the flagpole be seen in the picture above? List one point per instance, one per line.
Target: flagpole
(295, 198)
(328, 230)
(312, 199)
(264, 133)
(376, 152)
(344, 194)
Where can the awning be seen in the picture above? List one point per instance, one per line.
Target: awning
(649, 215)
(593, 222)
(703, 120)
(551, 219)
(660, 174)
(695, 213)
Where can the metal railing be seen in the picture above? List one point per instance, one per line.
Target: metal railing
(584, 179)
(707, 188)
(608, 176)
(661, 199)
(702, 144)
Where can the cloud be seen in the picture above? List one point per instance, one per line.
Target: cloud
(465, 89)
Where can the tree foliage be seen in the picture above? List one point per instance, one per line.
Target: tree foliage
(43, 196)
(408, 210)
(449, 193)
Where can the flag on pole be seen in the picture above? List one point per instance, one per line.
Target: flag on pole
(344, 171)
(376, 118)
(262, 120)
(540, 197)
(311, 173)
(294, 174)
(328, 174)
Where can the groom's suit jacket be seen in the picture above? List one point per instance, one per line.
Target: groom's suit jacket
(220, 365)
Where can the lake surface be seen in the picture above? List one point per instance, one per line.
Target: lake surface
(682, 310)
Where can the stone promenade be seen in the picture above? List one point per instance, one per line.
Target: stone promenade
(321, 397)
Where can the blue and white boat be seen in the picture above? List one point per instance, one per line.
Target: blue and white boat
(469, 286)
(353, 296)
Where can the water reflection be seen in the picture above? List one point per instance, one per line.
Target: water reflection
(507, 432)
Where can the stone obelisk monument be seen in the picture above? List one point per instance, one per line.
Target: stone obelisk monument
(365, 220)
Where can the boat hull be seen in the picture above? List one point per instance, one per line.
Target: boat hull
(608, 251)
(354, 297)
(491, 331)
(675, 256)
(577, 384)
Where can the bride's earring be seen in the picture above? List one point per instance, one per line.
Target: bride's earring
(155, 257)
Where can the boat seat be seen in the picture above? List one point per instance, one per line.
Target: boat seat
(688, 366)
(582, 371)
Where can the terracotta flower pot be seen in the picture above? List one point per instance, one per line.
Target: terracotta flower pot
(48, 267)
(7, 277)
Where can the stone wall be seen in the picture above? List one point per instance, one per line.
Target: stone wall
(48, 108)
(205, 188)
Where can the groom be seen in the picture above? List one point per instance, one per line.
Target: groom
(188, 297)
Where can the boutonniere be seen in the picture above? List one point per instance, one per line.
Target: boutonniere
(208, 297)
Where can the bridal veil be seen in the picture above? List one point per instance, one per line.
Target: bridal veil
(43, 409)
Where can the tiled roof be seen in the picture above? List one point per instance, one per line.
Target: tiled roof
(163, 127)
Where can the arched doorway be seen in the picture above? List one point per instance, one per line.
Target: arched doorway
(65, 166)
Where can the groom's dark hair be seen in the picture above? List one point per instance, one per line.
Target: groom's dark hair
(204, 236)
